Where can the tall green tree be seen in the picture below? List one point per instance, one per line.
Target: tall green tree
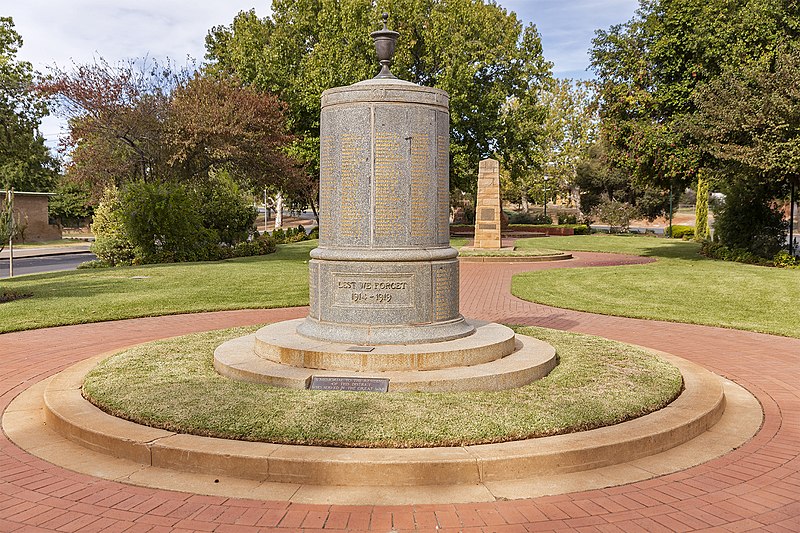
(656, 69)
(306, 46)
(25, 161)
(651, 68)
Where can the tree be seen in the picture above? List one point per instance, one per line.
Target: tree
(651, 67)
(750, 120)
(654, 72)
(150, 122)
(751, 116)
(72, 203)
(702, 232)
(306, 46)
(601, 182)
(570, 129)
(25, 161)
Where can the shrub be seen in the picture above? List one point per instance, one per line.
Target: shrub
(785, 260)
(616, 214)
(567, 218)
(679, 231)
(225, 209)
(96, 263)
(164, 223)
(541, 218)
(279, 235)
(112, 245)
(749, 220)
(715, 250)
(581, 229)
(520, 218)
(282, 236)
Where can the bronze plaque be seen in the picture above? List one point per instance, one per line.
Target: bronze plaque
(487, 213)
(348, 383)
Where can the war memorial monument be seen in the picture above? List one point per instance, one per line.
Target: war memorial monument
(384, 281)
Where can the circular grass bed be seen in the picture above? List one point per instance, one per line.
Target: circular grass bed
(171, 384)
(471, 252)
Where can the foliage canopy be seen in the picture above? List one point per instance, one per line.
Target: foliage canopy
(25, 161)
(306, 46)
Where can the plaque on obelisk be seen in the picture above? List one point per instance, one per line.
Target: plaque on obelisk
(384, 271)
(487, 210)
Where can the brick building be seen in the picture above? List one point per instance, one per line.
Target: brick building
(31, 208)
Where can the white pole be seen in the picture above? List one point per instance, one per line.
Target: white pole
(10, 207)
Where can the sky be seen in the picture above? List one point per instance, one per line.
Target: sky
(59, 32)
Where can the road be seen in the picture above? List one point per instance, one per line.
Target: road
(47, 263)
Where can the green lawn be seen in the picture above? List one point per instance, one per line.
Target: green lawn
(172, 384)
(275, 280)
(681, 286)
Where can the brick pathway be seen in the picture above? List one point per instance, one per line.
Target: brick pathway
(756, 487)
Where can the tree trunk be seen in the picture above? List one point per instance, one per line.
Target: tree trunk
(279, 210)
(701, 230)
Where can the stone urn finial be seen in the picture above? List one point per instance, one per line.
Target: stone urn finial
(385, 42)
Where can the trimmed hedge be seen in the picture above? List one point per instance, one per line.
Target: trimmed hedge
(679, 231)
(715, 250)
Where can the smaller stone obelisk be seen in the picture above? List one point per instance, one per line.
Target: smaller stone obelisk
(487, 210)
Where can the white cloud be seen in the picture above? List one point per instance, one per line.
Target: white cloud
(58, 32)
(567, 27)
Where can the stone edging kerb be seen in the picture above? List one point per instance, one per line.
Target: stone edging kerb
(696, 410)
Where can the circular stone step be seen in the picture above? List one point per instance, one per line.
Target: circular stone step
(531, 359)
(280, 343)
(694, 412)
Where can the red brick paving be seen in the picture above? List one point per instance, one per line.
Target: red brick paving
(756, 487)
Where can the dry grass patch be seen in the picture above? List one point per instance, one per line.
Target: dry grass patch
(171, 384)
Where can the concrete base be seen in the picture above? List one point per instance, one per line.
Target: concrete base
(493, 358)
(713, 416)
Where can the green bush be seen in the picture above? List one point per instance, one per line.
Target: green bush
(784, 260)
(541, 218)
(679, 231)
(225, 209)
(279, 235)
(96, 263)
(715, 250)
(112, 245)
(581, 229)
(748, 219)
(164, 223)
(519, 218)
(283, 236)
(616, 214)
(567, 218)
